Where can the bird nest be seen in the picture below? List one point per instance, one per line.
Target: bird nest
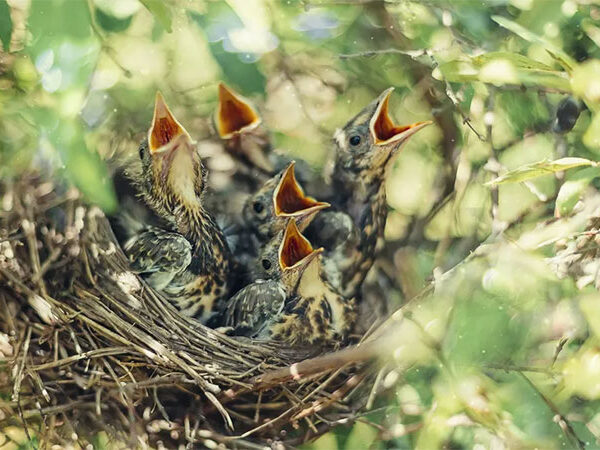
(88, 347)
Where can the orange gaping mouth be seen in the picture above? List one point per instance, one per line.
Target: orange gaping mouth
(289, 198)
(234, 114)
(164, 126)
(295, 248)
(383, 129)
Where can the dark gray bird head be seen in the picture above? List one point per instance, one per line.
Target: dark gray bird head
(278, 201)
(286, 257)
(240, 127)
(369, 141)
(172, 177)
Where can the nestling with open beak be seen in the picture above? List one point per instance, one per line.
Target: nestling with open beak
(267, 212)
(290, 301)
(365, 149)
(280, 199)
(240, 127)
(188, 260)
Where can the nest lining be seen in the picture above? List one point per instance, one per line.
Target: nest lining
(90, 347)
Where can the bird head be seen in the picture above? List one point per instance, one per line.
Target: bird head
(370, 140)
(239, 125)
(173, 173)
(278, 201)
(296, 255)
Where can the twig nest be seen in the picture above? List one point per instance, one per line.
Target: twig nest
(89, 343)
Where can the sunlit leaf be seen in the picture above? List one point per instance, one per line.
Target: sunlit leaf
(5, 24)
(586, 83)
(529, 36)
(111, 23)
(591, 138)
(83, 166)
(540, 168)
(568, 196)
(161, 11)
(505, 68)
(241, 74)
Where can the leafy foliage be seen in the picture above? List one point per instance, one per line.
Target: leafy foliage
(493, 212)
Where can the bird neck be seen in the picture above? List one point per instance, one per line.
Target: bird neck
(362, 195)
(365, 202)
(210, 249)
(310, 283)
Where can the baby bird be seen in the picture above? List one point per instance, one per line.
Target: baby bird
(365, 149)
(290, 301)
(240, 127)
(280, 199)
(188, 259)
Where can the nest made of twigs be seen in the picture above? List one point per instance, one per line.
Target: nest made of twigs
(89, 347)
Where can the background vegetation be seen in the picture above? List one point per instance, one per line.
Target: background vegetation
(503, 349)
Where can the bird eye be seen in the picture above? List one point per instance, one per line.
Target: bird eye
(266, 264)
(258, 207)
(354, 140)
(141, 151)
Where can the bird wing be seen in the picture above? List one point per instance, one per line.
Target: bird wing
(333, 230)
(254, 307)
(162, 254)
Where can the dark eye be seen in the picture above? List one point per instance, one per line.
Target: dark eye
(266, 264)
(258, 207)
(354, 140)
(141, 151)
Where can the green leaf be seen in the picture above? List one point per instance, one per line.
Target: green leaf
(505, 68)
(567, 62)
(584, 82)
(591, 138)
(5, 24)
(83, 167)
(111, 23)
(540, 168)
(244, 75)
(161, 12)
(568, 196)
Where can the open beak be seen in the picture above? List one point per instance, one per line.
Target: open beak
(295, 251)
(165, 127)
(382, 127)
(289, 199)
(165, 136)
(234, 114)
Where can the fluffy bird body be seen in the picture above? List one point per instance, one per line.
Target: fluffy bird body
(290, 301)
(188, 259)
(365, 149)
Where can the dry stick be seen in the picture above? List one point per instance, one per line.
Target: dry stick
(318, 364)
(560, 420)
(19, 378)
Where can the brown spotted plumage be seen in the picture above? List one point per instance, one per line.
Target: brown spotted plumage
(188, 259)
(290, 301)
(365, 150)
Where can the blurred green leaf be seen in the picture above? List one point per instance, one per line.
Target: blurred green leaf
(591, 138)
(568, 196)
(585, 81)
(524, 33)
(240, 74)
(84, 167)
(5, 24)
(161, 12)
(540, 168)
(504, 68)
(111, 23)
(482, 330)
(361, 436)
